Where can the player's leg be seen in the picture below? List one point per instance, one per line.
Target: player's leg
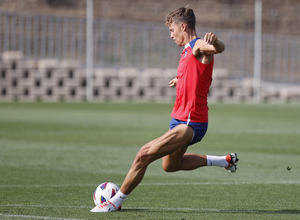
(171, 141)
(173, 161)
(180, 160)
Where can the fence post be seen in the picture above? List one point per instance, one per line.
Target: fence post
(257, 51)
(89, 50)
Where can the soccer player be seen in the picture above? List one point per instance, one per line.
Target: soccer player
(190, 112)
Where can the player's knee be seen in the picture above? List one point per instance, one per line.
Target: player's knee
(142, 159)
(169, 168)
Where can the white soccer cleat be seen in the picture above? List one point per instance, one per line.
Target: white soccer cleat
(232, 159)
(105, 207)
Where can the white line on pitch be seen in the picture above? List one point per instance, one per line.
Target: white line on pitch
(130, 208)
(44, 206)
(220, 183)
(35, 217)
(53, 185)
(156, 184)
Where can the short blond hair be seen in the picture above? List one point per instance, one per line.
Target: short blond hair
(185, 15)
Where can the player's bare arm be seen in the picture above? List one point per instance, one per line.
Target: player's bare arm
(210, 44)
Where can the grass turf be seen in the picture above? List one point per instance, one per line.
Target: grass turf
(53, 155)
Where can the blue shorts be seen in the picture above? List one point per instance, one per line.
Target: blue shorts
(199, 129)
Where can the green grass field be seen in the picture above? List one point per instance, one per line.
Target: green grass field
(52, 157)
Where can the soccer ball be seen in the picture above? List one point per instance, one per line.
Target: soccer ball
(104, 192)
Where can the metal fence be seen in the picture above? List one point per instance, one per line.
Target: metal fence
(121, 43)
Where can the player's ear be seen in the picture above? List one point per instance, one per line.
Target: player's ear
(183, 26)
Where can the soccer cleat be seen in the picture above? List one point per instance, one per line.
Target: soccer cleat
(232, 159)
(106, 207)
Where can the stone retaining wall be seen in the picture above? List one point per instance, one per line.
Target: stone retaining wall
(50, 80)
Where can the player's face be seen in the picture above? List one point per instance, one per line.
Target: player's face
(176, 34)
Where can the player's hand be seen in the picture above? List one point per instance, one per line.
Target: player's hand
(173, 82)
(210, 38)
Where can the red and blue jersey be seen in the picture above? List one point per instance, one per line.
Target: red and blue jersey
(194, 80)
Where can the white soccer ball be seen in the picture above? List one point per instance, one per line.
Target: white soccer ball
(104, 192)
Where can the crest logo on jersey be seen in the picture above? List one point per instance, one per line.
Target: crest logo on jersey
(184, 53)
